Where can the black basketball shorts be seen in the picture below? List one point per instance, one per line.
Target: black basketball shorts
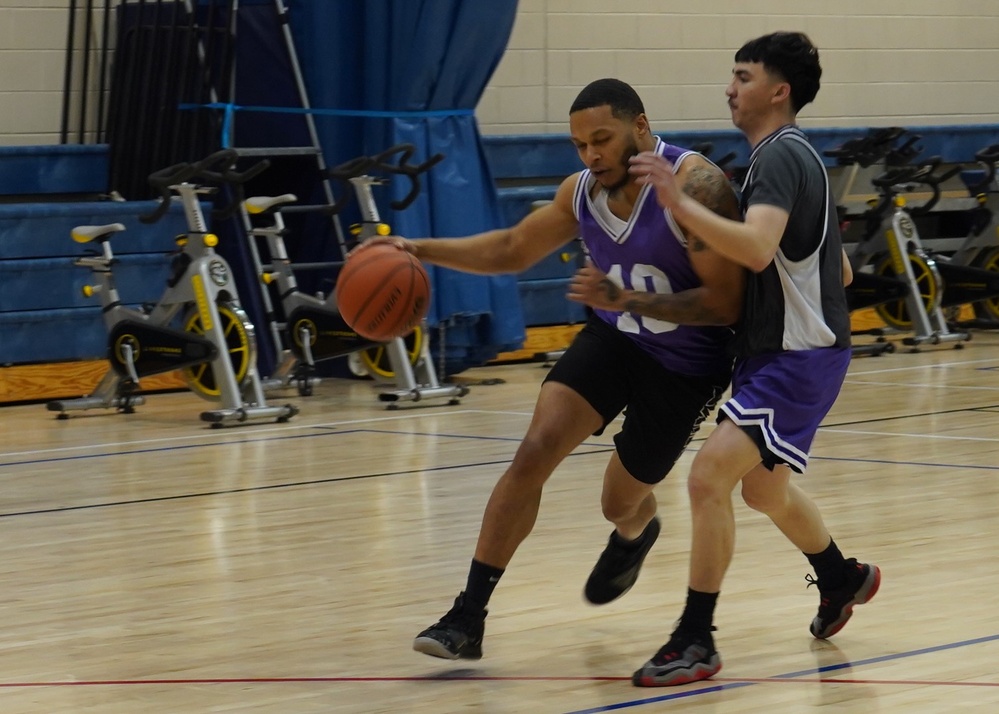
(662, 409)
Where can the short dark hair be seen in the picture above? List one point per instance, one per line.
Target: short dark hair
(620, 96)
(793, 57)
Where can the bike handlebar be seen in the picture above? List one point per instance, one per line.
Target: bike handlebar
(921, 175)
(382, 162)
(343, 173)
(868, 149)
(404, 168)
(218, 167)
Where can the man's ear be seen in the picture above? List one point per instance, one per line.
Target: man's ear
(782, 91)
(642, 124)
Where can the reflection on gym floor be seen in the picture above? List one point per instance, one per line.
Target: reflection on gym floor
(151, 560)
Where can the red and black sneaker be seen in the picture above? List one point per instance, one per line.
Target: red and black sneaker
(836, 606)
(687, 657)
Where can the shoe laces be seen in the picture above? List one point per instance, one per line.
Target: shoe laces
(850, 567)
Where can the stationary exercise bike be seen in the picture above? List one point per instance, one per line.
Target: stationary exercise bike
(980, 248)
(197, 326)
(860, 159)
(313, 329)
(899, 252)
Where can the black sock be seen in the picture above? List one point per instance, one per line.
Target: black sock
(482, 581)
(699, 612)
(830, 566)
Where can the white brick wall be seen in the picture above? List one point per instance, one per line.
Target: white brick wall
(909, 62)
(32, 57)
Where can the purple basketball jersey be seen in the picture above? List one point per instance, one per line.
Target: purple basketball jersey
(648, 252)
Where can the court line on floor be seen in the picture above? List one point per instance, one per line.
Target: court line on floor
(919, 464)
(800, 676)
(237, 431)
(595, 449)
(790, 676)
(264, 487)
(949, 387)
(176, 447)
(243, 435)
(945, 437)
(940, 365)
(900, 417)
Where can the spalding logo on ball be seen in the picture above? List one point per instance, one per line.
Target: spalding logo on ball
(382, 292)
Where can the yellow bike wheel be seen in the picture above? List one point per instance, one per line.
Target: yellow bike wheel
(240, 343)
(896, 313)
(988, 309)
(376, 359)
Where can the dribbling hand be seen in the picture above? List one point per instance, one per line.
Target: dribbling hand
(397, 241)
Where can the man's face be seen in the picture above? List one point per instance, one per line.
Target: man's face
(604, 144)
(751, 94)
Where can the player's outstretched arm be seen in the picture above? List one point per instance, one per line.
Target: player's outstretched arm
(506, 250)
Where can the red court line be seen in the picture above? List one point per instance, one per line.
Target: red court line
(475, 678)
(292, 680)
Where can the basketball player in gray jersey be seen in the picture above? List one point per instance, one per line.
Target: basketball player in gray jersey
(792, 351)
(668, 372)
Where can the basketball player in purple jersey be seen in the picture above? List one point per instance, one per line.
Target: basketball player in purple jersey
(669, 372)
(792, 350)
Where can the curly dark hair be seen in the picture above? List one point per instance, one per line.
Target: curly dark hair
(791, 56)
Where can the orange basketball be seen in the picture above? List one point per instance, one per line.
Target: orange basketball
(382, 292)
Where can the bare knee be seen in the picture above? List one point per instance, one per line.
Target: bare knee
(705, 484)
(536, 458)
(618, 510)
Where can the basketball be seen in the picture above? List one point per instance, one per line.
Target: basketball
(382, 292)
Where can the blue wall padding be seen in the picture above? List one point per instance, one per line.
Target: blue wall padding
(56, 169)
(553, 155)
(43, 314)
(52, 335)
(51, 283)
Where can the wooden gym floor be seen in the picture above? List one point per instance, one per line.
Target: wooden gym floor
(149, 563)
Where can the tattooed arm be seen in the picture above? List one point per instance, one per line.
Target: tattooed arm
(718, 300)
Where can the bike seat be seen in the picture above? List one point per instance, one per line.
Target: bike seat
(262, 204)
(86, 234)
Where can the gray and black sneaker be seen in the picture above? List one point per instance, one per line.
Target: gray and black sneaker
(687, 657)
(836, 606)
(617, 568)
(458, 635)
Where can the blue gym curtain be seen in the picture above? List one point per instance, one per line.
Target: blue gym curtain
(421, 66)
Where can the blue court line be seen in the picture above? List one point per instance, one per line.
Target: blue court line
(181, 447)
(789, 675)
(610, 447)
(328, 431)
(248, 489)
(233, 491)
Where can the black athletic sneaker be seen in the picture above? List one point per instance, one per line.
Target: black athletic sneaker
(687, 657)
(617, 568)
(836, 606)
(458, 635)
